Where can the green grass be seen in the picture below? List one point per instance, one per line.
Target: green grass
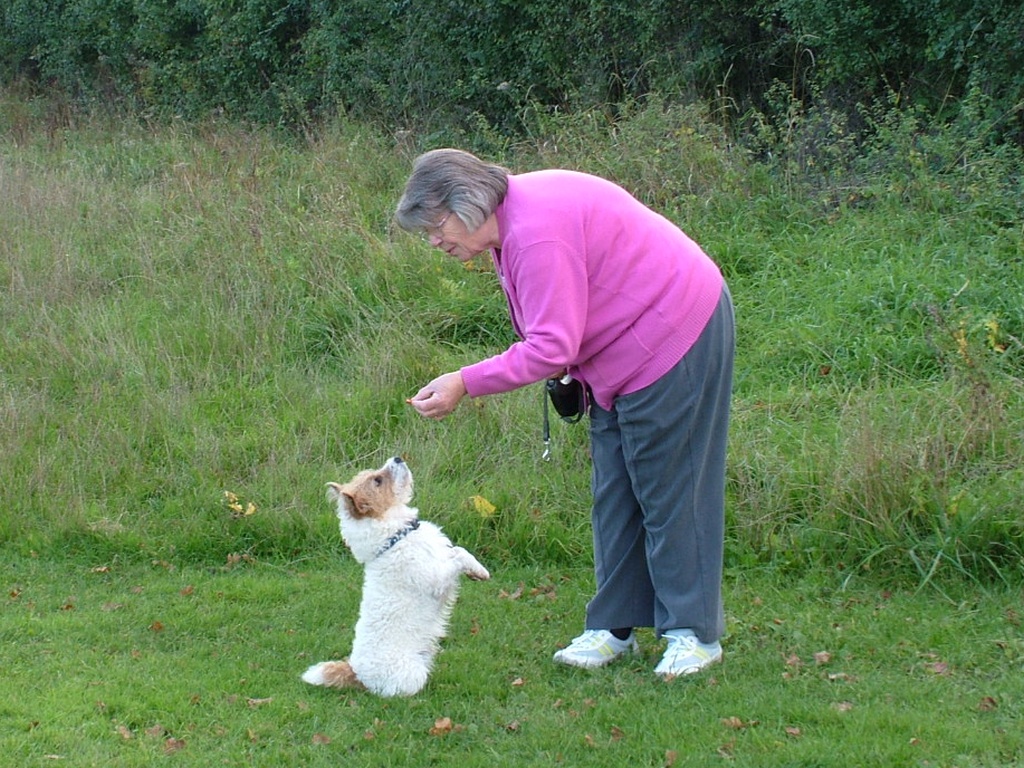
(111, 664)
(190, 310)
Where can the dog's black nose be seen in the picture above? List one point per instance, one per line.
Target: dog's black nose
(398, 460)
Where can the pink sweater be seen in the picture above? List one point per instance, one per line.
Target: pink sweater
(597, 283)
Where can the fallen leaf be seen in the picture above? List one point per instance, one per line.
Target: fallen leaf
(319, 738)
(842, 706)
(670, 758)
(793, 731)
(938, 668)
(793, 661)
(988, 704)
(187, 591)
(100, 569)
(253, 703)
(546, 590)
(125, 732)
(483, 507)
(155, 731)
(822, 657)
(518, 682)
(836, 677)
(442, 727)
(173, 745)
(515, 595)
(156, 626)
(617, 733)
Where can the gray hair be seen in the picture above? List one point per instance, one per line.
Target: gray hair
(450, 180)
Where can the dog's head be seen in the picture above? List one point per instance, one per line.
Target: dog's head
(374, 493)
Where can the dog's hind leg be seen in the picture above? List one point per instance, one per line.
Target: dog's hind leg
(332, 674)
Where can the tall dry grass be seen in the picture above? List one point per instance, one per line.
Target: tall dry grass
(194, 309)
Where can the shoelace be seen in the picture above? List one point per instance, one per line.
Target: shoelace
(680, 645)
(591, 639)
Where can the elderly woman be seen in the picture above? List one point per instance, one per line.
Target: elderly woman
(605, 288)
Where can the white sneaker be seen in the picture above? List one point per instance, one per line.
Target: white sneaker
(595, 648)
(686, 655)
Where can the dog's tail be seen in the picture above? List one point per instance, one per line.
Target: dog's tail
(332, 674)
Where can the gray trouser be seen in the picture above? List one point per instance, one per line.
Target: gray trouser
(659, 493)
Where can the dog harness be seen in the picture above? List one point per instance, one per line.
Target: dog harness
(409, 527)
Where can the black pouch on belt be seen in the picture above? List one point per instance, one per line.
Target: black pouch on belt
(567, 397)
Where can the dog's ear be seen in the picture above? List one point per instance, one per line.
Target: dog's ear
(339, 495)
(333, 492)
(358, 506)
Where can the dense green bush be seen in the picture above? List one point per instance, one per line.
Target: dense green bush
(438, 64)
(929, 53)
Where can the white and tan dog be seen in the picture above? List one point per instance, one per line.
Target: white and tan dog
(410, 583)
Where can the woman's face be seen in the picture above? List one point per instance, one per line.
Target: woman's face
(453, 237)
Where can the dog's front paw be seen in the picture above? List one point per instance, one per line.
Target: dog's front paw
(470, 565)
(478, 573)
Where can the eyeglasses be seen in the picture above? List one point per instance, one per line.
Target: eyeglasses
(435, 231)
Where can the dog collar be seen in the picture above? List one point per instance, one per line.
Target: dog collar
(409, 527)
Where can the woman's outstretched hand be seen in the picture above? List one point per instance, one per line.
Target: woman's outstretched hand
(440, 397)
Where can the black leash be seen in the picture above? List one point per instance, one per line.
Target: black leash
(546, 456)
